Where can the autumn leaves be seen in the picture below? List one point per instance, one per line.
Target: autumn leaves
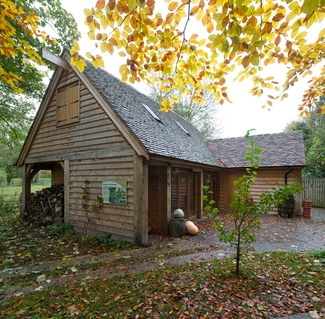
(242, 37)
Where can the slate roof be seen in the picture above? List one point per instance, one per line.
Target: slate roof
(165, 138)
(281, 149)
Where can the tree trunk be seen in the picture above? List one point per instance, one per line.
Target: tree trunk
(238, 255)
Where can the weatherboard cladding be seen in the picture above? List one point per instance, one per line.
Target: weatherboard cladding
(164, 138)
(280, 149)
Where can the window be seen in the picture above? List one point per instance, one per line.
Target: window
(151, 113)
(68, 104)
(182, 127)
(183, 193)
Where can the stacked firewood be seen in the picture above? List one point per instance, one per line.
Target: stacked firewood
(46, 206)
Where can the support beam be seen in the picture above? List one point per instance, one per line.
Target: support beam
(66, 191)
(169, 194)
(200, 194)
(140, 187)
(26, 188)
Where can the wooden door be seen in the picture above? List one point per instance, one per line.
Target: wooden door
(153, 199)
(184, 193)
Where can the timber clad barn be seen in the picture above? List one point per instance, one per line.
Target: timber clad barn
(93, 131)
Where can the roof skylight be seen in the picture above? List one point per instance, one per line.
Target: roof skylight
(182, 127)
(152, 113)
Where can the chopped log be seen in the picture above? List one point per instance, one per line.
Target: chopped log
(46, 206)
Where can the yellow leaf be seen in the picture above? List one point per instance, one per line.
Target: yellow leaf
(124, 77)
(100, 61)
(76, 45)
(122, 54)
(103, 47)
(255, 60)
(89, 55)
(98, 14)
(87, 12)
(132, 4)
(321, 33)
(91, 35)
(294, 6)
(199, 14)
(81, 64)
(202, 42)
(301, 35)
(178, 18)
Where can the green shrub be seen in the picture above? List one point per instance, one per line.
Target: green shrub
(8, 205)
(107, 240)
(319, 254)
(61, 229)
(3, 178)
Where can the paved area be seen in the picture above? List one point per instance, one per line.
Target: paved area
(298, 316)
(278, 233)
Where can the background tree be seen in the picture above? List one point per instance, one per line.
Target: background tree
(313, 128)
(7, 162)
(245, 37)
(22, 70)
(16, 115)
(22, 36)
(204, 116)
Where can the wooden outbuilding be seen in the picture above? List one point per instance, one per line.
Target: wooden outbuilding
(125, 165)
(94, 132)
(281, 161)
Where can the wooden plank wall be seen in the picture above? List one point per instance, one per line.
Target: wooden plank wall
(118, 220)
(266, 179)
(223, 191)
(95, 150)
(314, 190)
(94, 131)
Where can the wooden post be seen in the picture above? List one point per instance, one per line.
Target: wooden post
(200, 194)
(66, 188)
(140, 189)
(26, 188)
(169, 194)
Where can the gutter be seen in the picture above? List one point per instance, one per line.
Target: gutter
(286, 175)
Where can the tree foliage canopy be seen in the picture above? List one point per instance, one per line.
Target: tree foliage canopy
(23, 35)
(242, 36)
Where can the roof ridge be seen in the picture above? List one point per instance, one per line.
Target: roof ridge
(252, 135)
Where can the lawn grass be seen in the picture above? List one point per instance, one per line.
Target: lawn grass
(12, 192)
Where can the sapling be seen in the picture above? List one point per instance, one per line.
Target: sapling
(244, 212)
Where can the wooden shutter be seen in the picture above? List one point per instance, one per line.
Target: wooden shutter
(68, 104)
(73, 109)
(62, 111)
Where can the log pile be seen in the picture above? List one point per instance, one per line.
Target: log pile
(46, 206)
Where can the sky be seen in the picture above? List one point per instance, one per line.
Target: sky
(244, 113)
